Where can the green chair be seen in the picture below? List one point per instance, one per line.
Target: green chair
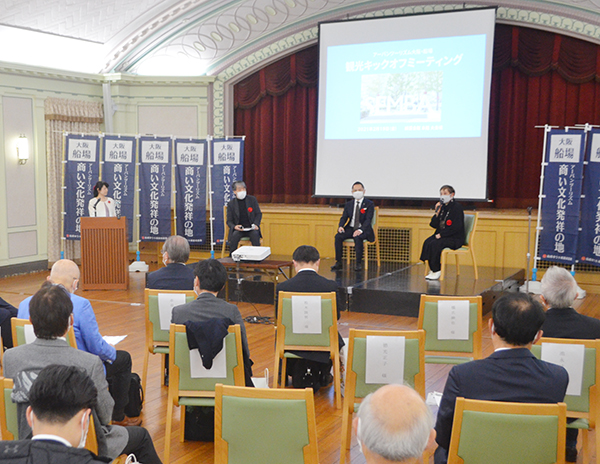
(327, 340)
(157, 340)
(18, 332)
(187, 391)
(287, 431)
(584, 408)
(467, 248)
(450, 351)
(356, 387)
(349, 242)
(9, 425)
(495, 432)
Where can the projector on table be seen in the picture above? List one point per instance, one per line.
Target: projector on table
(251, 253)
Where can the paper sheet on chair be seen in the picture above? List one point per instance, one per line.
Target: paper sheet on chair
(218, 369)
(453, 320)
(166, 303)
(571, 358)
(385, 360)
(29, 333)
(306, 314)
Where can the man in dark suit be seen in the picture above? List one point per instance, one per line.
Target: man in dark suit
(243, 217)
(511, 373)
(355, 223)
(559, 291)
(175, 275)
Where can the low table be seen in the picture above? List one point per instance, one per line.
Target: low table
(269, 267)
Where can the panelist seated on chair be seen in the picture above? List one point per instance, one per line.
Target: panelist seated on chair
(243, 217)
(512, 373)
(449, 224)
(355, 223)
(211, 277)
(175, 275)
(385, 435)
(61, 400)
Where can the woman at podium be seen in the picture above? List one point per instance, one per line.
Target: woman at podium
(101, 205)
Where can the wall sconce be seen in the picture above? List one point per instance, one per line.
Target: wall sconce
(22, 149)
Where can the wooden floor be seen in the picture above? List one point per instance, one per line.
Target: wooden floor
(122, 313)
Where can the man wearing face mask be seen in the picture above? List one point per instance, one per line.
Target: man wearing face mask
(61, 402)
(175, 275)
(243, 217)
(355, 223)
(117, 362)
(51, 314)
(449, 224)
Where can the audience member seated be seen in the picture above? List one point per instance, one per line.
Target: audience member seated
(51, 313)
(384, 435)
(211, 277)
(559, 291)
(61, 400)
(116, 362)
(175, 275)
(511, 373)
(7, 312)
(306, 261)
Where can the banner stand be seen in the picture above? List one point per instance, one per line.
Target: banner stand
(138, 265)
(210, 193)
(62, 196)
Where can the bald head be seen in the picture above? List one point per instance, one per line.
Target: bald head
(66, 273)
(394, 425)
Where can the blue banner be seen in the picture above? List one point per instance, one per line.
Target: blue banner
(190, 177)
(561, 195)
(82, 168)
(155, 188)
(227, 166)
(118, 169)
(589, 236)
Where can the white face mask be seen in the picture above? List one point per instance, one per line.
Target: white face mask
(84, 432)
(445, 198)
(241, 194)
(358, 195)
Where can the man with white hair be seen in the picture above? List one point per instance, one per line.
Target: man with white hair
(559, 291)
(175, 275)
(394, 425)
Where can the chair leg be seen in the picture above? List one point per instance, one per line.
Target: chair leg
(283, 381)
(457, 264)
(585, 439)
(366, 255)
(276, 372)
(163, 359)
(443, 263)
(346, 432)
(336, 379)
(169, 425)
(182, 423)
(347, 255)
(145, 370)
(377, 251)
(476, 274)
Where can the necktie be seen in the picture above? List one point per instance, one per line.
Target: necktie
(356, 213)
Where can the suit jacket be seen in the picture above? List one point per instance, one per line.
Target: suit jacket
(367, 209)
(45, 452)
(174, 276)
(309, 281)
(208, 306)
(507, 375)
(568, 323)
(97, 209)
(41, 353)
(233, 213)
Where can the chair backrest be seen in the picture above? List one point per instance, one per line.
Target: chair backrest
(470, 225)
(180, 379)
(9, 422)
(374, 225)
(287, 431)
(414, 361)
(18, 332)
(494, 432)
(154, 334)
(428, 321)
(317, 342)
(586, 404)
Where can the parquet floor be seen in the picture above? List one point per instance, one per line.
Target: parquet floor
(122, 313)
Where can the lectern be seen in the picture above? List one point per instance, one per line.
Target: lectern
(104, 253)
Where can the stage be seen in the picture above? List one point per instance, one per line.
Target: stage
(393, 288)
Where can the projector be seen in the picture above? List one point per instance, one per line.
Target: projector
(251, 253)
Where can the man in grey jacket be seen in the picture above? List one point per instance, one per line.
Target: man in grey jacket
(51, 313)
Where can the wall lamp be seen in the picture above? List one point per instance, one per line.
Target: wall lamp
(22, 149)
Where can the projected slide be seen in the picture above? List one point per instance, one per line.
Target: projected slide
(406, 89)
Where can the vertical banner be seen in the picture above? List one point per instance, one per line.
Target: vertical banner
(190, 178)
(589, 237)
(561, 195)
(118, 170)
(155, 188)
(227, 166)
(82, 171)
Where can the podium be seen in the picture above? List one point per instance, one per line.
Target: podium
(104, 253)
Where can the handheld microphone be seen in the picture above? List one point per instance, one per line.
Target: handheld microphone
(96, 204)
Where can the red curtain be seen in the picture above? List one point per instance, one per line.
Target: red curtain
(538, 78)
